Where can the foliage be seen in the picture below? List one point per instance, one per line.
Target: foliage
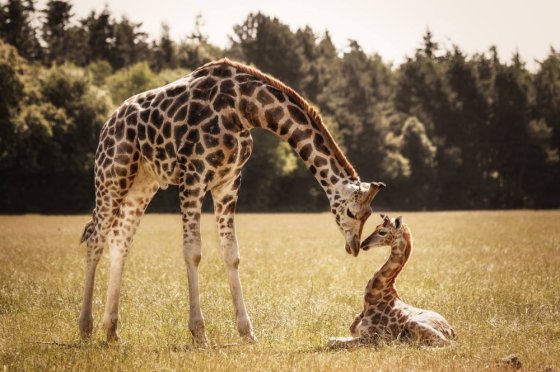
(55, 30)
(99, 72)
(443, 129)
(16, 18)
(271, 45)
(12, 92)
(131, 80)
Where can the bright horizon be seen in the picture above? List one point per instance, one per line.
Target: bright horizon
(392, 29)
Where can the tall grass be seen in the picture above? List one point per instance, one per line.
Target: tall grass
(494, 275)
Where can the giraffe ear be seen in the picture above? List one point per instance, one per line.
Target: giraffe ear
(398, 222)
(373, 189)
(386, 220)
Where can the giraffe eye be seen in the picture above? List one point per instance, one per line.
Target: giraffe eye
(382, 232)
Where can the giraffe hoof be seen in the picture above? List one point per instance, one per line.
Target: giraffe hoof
(251, 338)
(110, 325)
(86, 328)
(245, 329)
(199, 338)
(114, 337)
(201, 342)
(85, 335)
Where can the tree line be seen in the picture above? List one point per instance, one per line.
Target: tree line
(445, 130)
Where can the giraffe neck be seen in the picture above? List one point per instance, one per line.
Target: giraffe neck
(294, 122)
(383, 282)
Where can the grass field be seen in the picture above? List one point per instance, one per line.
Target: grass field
(494, 275)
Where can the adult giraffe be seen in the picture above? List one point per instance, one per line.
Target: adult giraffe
(195, 133)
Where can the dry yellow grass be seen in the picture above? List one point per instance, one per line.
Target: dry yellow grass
(494, 275)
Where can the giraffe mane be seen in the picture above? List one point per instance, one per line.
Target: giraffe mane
(301, 102)
(408, 238)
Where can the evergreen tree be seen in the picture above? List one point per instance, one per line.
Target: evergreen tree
(57, 16)
(359, 106)
(130, 44)
(198, 36)
(17, 29)
(165, 50)
(415, 156)
(100, 30)
(307, 46)
(196, 51)
(511, 149)
(547, 98)
(464, 150)
(12, 93)
(77, 40)
(270, 45)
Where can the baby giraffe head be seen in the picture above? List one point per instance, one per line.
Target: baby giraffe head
(384, 234)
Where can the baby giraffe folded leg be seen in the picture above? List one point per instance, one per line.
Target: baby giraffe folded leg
(427, 334)
(344, 342)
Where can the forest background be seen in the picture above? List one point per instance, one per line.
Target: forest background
(444, 129)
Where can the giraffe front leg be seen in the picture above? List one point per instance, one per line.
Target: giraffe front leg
(346, 342)
(225, 199)
(230, 250)
(191, 205)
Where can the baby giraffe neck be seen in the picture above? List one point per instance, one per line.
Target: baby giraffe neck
(382, 285)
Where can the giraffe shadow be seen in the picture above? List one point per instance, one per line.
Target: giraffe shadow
(77, 344)
(336, 344)
(92, 344)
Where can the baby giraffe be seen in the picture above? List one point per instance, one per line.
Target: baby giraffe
(385, 315)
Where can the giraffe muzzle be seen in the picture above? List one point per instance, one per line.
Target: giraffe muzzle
(366, 245)
(353, 247)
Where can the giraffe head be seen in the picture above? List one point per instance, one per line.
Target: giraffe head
(352, 207)
(384, 234)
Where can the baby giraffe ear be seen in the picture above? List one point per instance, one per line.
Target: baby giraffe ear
(398, 222)
(386, 220)
(382, 216)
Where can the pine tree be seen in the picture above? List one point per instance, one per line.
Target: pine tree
(17, 29)
(100, 30)
(165, 55)
(130, 44)
(270, 45)
(55, 30)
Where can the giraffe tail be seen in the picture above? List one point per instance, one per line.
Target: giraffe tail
(88, 231)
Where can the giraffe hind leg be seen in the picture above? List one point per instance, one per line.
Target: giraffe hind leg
(116, 166)
(95, 237)
(123, 229)
(88, 230)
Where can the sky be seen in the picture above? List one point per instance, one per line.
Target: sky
(391, 28)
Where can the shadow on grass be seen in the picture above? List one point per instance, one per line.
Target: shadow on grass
(92, 344)
(356, 344)
(77, 344)
(256, 347)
